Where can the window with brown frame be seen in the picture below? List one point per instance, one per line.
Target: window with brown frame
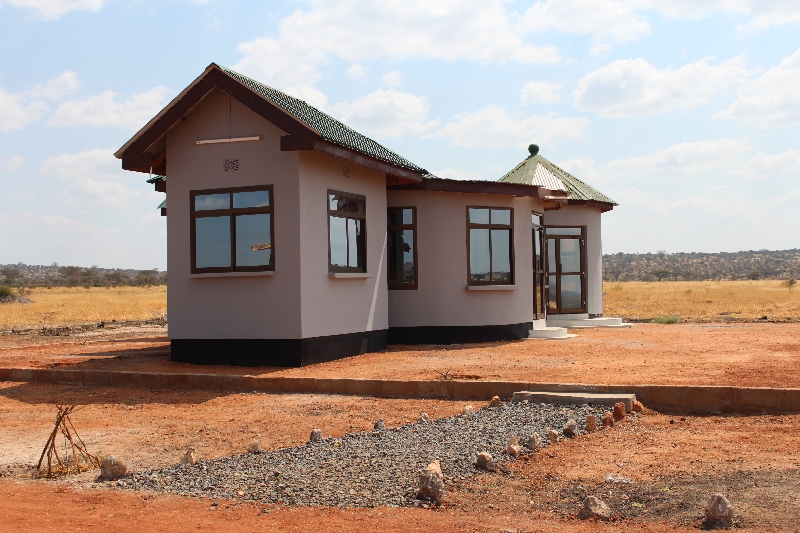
(232, 230)
(347, 232)
(402, 244)
(490, 245)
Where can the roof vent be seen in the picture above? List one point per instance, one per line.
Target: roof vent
(533, 149)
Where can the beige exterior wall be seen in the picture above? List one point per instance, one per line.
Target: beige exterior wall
(442, 298)
(230, 307)
(575, 215)
(336, 306)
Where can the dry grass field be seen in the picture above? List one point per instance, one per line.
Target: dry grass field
(61, 306)
(703, 301)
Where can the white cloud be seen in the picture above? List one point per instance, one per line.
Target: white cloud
(355, 71)
(14, 163)
(606, 20)
(763, 14)
(770, 100)
(361, 30)
(53, 9)
(540, 92)
(386, 113)
(494, 127)
(309, 94)
(17, 110)
(635, 88)
(393, 78)
(107, 109)
(451, 173)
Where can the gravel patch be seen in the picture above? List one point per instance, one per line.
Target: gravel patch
(364, 469)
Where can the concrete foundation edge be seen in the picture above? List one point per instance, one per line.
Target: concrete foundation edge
(669, 398)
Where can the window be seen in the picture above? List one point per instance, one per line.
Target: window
(232, 230)
(402, 243)
(491, 253)
(347, 228)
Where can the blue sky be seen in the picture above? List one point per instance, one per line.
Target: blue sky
(686, 112)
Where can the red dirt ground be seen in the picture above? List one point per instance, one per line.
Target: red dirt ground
(756, 355)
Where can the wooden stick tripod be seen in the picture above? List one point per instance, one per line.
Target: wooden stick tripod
(77, 448)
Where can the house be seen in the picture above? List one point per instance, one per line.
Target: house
(293, 239)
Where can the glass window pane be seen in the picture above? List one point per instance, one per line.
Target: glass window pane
(408, 216)
(552, 300)
(213, 242)
(394, 242)
(536, 220)
(501, 216)
(253, 241)
(479, 254)
(251, 199)
(352, 239)
(401, 257)
(551, 255)
(401, 217)
(338, 241)
(478, 216)
(206, 202)
(570, 255)
(393, 217)
(337, 202)
(355, 205)
(563, 231)
(408, 257)
(570, 292)
(501, 256)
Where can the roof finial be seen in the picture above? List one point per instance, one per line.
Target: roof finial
(533, 149)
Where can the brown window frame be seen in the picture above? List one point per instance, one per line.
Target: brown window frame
(352, 216)
(490, 226)
(401, 227)
(231, 212)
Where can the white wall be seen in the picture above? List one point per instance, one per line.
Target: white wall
(575, 215)
(232, 307)
(336, 306)
(442, 298)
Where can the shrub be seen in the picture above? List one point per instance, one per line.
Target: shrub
(5, 291)
(789, 283)
(665, 320)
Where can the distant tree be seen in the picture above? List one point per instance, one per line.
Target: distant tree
(147, 277)
(754, 274)
(71, 274)
(660, 274)
(11, 275)
(116, 278)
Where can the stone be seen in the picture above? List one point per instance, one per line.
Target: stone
(591, 423)
(431, 483)
(570, 429)
(188, 458)
(638, 407)
(552, 436)
(534, 442)
(379, 425)
(254, 447)
(495, 402)
(594, 507)
(423, 418)
(513, 448)
(608, 419)
(485, 461)
(113, 468)
(619, 411)
(719, 511)
(468, 409)
(316, 435)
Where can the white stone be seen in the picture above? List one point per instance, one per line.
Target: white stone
(113, 468)
(552, 436)
(513, 448)
(431, 482)
(495, 402)
(254, 447)
(594, 508)
(570, 429)
(485, 461)
(719, 510)
(316, 435)
(423, 418)
(534, 442)
(468, 409)
(379, 425)
(188, 458)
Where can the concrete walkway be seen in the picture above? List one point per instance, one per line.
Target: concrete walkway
(670, 398)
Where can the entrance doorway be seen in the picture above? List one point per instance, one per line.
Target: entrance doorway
(566, 269)
(539, 280)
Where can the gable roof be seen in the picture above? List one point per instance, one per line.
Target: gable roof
(307, 127)
(536, 170)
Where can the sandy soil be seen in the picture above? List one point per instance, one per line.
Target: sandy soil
(673, 467)
(756, 355)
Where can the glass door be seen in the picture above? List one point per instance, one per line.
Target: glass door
(539, 286)
(566, 269)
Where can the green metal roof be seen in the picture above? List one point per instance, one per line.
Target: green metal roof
(162, 205)
(526, 173)
(325, 125)
(157, 178)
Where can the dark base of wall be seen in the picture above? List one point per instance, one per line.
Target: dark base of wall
(458, 334)
(276, 352)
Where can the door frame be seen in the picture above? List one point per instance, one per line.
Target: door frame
(559, 309)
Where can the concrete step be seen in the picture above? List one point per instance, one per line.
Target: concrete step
(550, 333)
(577, 398)
(600, 322)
